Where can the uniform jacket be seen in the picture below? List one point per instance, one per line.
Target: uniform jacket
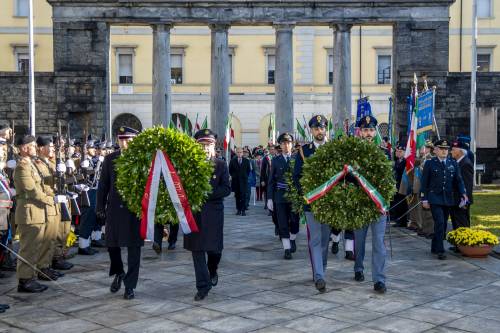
(5, 202)
(265, 168)
(210, 220)
(467, 172)
(398, 170)
(46, 170)
(239, 174)
(307, 150)
(122, 226)
(277, 185)
(440, 181)
(32, 201)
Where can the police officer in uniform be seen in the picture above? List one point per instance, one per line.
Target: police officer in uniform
(318, 233)
(277, 187)
(122, 226)
(368, 126)
(440, 178)
(208, 242)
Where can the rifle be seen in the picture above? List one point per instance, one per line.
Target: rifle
(60, 175)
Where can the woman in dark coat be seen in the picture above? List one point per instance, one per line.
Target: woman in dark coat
(208, 242)
(122, 226)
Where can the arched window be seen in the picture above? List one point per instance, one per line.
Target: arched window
(126, 119)
(384, 129)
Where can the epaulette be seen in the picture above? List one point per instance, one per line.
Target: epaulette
(310, 146)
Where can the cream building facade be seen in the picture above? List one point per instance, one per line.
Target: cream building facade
(252, 54)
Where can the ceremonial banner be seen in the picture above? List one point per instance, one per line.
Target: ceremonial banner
(364, 109)
(161, 165)
(425, 111)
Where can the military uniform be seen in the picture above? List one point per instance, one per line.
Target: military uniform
(208, 242)
(318, 234)
(277, 187)
(440, 179)
(122, 226)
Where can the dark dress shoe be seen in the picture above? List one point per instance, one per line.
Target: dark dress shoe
(320, 285)
(98, 243)
(214, 279)
(379, 287)
(335, 247)
(276, 231)
(88, 251)
(171, 246)
(288, 255)
(117, 282)
(293, 247)
(441, 256)
(30, 286)
(62, 265)
(349, 255)
(129, 293)
(157, 247)
(238, 212)
(47, 275)
(359, 276)
(56, 273)
(4, 306)
(2, 310)
(200, 296)
(243, 213)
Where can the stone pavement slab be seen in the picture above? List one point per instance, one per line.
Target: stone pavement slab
(260, 292)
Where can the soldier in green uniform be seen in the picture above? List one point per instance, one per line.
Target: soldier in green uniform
(30, 217)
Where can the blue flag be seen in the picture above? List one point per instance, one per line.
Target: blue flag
(364, 109)
(425, 115)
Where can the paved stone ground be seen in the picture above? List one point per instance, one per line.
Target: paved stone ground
(260, 292)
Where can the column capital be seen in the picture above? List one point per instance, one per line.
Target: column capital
(341, 27)
(219, 26)
(284, 26)
(160, 27)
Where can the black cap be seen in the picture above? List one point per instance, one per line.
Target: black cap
(205, 135)
(285, 137)
(401, 146)
(367, 122)
(443, 143)
(24, 140)
(125, 132)
(42, 141)
(318, 121)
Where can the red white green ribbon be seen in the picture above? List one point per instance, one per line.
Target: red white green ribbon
(161, 164)
(370, 190)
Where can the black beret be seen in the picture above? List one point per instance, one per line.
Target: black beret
(205, 135)
(367, 122)
(285, 137)
(459, 144)
(125, 132)
(24, 140)
(42, 141)
(318, 121)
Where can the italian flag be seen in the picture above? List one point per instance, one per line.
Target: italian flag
(411, 145)
(179, 125)
(205, 123)
(227, 135)
(196, 125)
(301, 130)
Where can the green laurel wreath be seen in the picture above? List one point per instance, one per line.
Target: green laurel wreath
(189, 161)
(347, 206)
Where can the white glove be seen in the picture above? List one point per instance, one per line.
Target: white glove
(11, 164)
(12, 192)
(101, 159)
(72, 195)
(270, 204)
(85, 164)
(60, 199)
(70, 164)
(61, 167)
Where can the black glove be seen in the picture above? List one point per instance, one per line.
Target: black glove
(101, 218)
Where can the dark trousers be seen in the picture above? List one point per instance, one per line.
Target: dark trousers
(286, 223)
(259, 192)
(241, 197)
(348, 234)
(398, 211)
(133, 263)
(460, 217)
(172, 236)
(440, 216)
(88, 218)
(203, 269)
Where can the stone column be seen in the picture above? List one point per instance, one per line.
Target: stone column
(341, 101)
(283, 104)
(219, 79)
(162, 91)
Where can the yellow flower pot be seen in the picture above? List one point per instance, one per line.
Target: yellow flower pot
(478, 251)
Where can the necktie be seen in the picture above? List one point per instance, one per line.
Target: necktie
(239, 161)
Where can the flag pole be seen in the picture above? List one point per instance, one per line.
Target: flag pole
(434, 111)
(31, 71)
(473, 87)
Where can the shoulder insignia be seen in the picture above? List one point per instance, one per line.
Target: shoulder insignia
(310, 146)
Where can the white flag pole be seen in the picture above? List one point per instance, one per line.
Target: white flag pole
(31, 73)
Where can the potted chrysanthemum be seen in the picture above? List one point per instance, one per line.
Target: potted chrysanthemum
(473, 242)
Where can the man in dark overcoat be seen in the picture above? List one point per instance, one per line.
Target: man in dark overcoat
(460, 214)
(239, 169)
(208, 242)
(122, 226)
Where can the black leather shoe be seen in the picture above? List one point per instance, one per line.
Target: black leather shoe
(47, 275)
(129, 293)
(200, 296)
(379, 287)
(88, 251)
(62, 265)
(238, 212)
(288, 255)
(293, 247)
(157, 247)
(171, 246)
(4, 306)
(56, 273)
(359, 276)
(243, 213)
(441, 256)
(98, 243)
(320, 285)
(214, 279)
(349, 255)
(335, 247)
(30, 286)
(117, 282)
(2, 310)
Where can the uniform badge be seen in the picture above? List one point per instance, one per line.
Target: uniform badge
(207, 132)
(318, 118)
(214, 177)
(122, 129)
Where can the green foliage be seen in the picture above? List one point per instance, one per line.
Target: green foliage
(347, 206)
(189, 161)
